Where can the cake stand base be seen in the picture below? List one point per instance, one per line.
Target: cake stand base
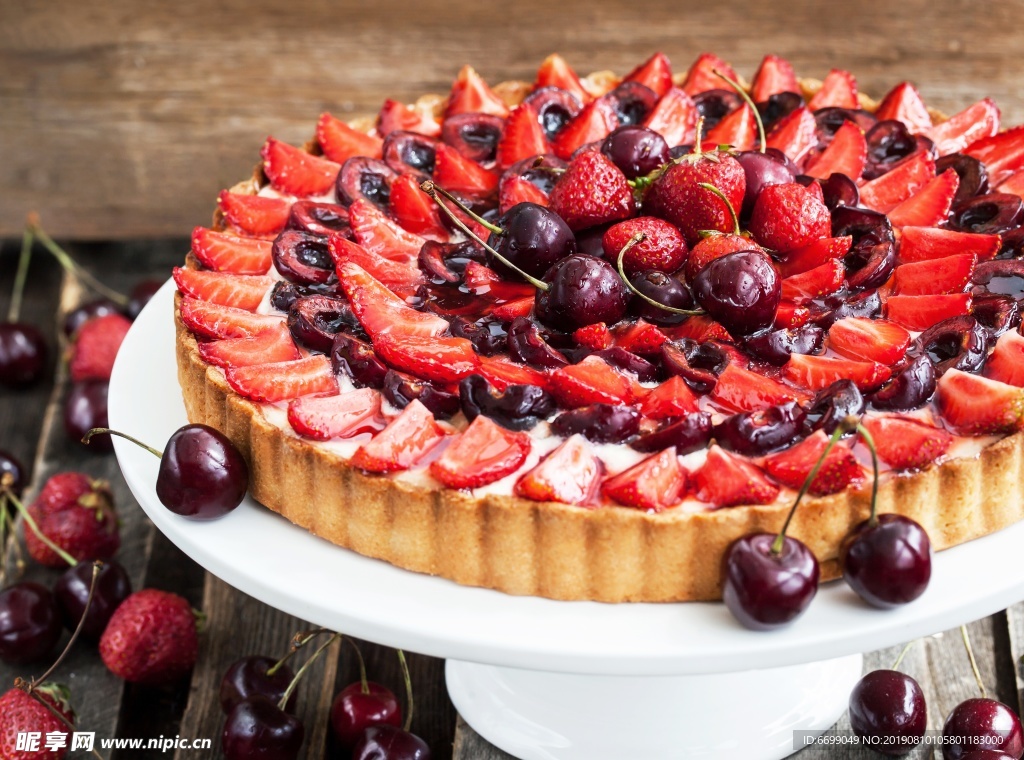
(554, 716)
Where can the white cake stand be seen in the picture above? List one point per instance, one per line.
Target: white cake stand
(548, 680)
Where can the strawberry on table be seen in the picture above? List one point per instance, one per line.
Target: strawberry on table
(483, 453)
(655, 72)
(224, 252)
(819, 372)
(663, 247)
(924, 243)
(282, 381)
(522, 137)
(323, 418)
(210, 320)
(789, 216)
(68, 490)
(875, 340)
(974, 123)
(340, 142)
(936, 276)
(846, 154)
(254, 214)
(702, 77)
(595, 122)
(151, 639)
(236, 290)
(838, 90)
(274, 344)
(293, 171)
(1006, 362)
(921, 312)
(87, 529)
(674, 117)
(904, 103)
(792, 466)
(592, 191)
(928, 206)
(656, 483)
(406, 440)
(470, 94)
(890, 190)
(21, 714)
(96, 345)
(570, 474)
(729, 480)
(975, 405)
(907, 444)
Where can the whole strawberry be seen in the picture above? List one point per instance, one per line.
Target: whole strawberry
(715, 245)
(663, 247)
(789, 216)
(151, 639)
(96, 346)
(22, 714)
(592, 191)
(78, 516)
(64, 489)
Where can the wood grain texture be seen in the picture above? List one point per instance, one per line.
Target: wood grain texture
(125, 122)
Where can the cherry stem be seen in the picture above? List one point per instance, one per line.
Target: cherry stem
(299, 640)
(72, 266)
(974, 663)
(432, 190)
(468, 211)
(863, 432)
(364, 684)
(639, 238)
(698, 135)
(107, 431)
(732, 212)
(3, 529)
(96, 567)
(408, 690)
(749, 101)
(35, 527)
(903, 653)
(305, 666)
(18, 291)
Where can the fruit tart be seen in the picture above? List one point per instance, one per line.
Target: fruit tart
(571, 338)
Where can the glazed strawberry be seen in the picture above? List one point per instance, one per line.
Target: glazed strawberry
(655, 72)
(501, 372)
(400, 277)
(792, 466)
(672, 399)
(974, 405)
(674, 117)
(872, 340)
(395, 116)
(570, 474)
(414, 210)
(343, 416)
(282, 381)
(229, 253)
(924, 243)
(509, 310)
(794, 134)
(470, 94)
(737, 129)
(446, 360)
(458, 174)
(921, 312)
(21, 714)
(728, 480)
(87, 530)
(1013, 185)
(483, 453)
(846, 154)
(235, 290)
(515, 190)
(209, 320)
(522, 137)
(406, 440)
(1006, 362)
(151, 639)
(555, 72)
(484, 281)
(340, 142)
(700, 329)
(904, 103)
(379, 310)
(657, 483)
(789, 216)
(702, 77)
(595, 122)
(640, 337)
(819, 372)
(790, 315)
(743, 390)
(592, 381)
(895, 186)
(801, 289)
(715, 245)
(947, 275)
(592, 191)
(814, 254)
(274, 344)
(663, 247)
(974, 123)
(1002, 154)
(96, 345)
(774, 76)
(254, 214)
(838, 90)
(596, 336)
(907, 444)
(375, 232)
(928, 206)
(293, 171)
(70, 490)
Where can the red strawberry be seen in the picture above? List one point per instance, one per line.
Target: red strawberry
(343, 416)
(555, 72)
(1006, 362)
(458, 174)
(513, 190)
(446, 360)
(96, 345)
(872, 340)
(378, 234)
(713, 246)
(654, 484)
(283, 381)
(1014, 185)
(570, 474)
(509, 310)
(895, 186)
(592, 191)
(70, 490)
(379, 310)
(501, 372)
(1002, 154)
(790, 315)
(674, 117)
(483, 453)
(151, 638)
(655, 72)
(738, 129)
(396, 116)
(237, 290)
(399, 277)
(470, 94)
(406, 440)
(698, 328)
(594, 122)
(795, 134)
(592, 381)
(728, 480)
(340, 142)
(921, 312)
(414, 210)
(947, 275)
(846, 154)
(483, 280)
(742, 390)
(673, 398)
(208, 320)
(929, 205)
(774, 76)
(640, 337)
(274, 344)
(596, 336)
(974, 405)
(293, 171)
(838, 90)
(255, 214)
(21, 714)
(522, 137)
(801, 289)
(974, 123)
(819, 372)
(87, 530)
(907, 444)
(814, 254)
(792, 466)
(702, 77)
(925, 243)
(789, 216)
(903, 103)
(663, 247)
(229, 253)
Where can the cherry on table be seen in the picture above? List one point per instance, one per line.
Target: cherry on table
(355, 710)
(23, 354)
(10, 466)
(889, 705)
(257, 728)
(85, 408)
(29, 622)
(390, 743)
(77, 317)
(113, 586)
(251, 676)
(141, 295)
(981, 723)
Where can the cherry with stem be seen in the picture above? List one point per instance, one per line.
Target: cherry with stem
(620, 265)
(362, 705)
(23, 349)
(888, 708)
(388, 742)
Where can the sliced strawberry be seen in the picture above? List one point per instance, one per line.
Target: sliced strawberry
(890, 190)
(340, 142)
(792, 466)
(381, 311)
(593, 123)
(501, 372)
(814, 254)
(846, 154)
(484, 281)
(470, 94)
(903, 103)
(446, 360)
(515, 190)
(801, 289)
(700, 329)
(1002, 154)
(96, 345)
(728, 480)
(1014, 185)
(414, 210)
(738, 129)
(273, 344)
(210, 320)
(907, 444)
(838, 90)
(396, 116)
(522, 137)
(968, 126)
(282, 381)
(509, 310)
(229, 253)
(929, 205)
(819, 372)
(596, 336)
(921, 312)
(789, 315)
(592, 191)
(924, 243)
(974, 405)
(795, 134)
(655, 72)
(640, 337)
(674, 117)
(673, 398)
(947, 275)
(400, 278)
(376, 233)
(775, 75)
(406, 440)
(592, 381)
(255, 214)
(293, 171)
(654, 484)
(1006, 362)
(742, 390)
(458, 174)
(702, 77)
(570, 474)
(483, 453)
(240, 291)
(343, 416)
(872, 340)
(555, 72)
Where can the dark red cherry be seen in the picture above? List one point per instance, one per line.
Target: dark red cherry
(990, 214)
(29, 623)
(761, 170)
(955, 343)
(715, 105)
(889, 142)
(23, 354)
(257, 728)
(832, 405)
(777, 346)
(632, 102)
(1012, 246)
(527, 345)
(872, 256)
(303, 257)
(741, 291)
(431, 260)
(75, 318)
(778, 106)
(839, 190)
(401, 390)
(285, 293)
(318, 218)
(85, 408)
(1000, 277)
(910, 388)
(141, 295)
(691, 433)
(250, 676)
(866, 304)
(622, 359)
(887, 562)
(699, 364)
(314, 321)
(357, 359)
(762, 431)
(764, 590)
(582, 290)
(534, 238)
(410, 153)
(10, 466)
(555, 108)
(829, 120)
(518, 407)
(996, 313)
(202, 476)
(600, 423)
(637, 151)
(487, 334)
(367, 178)
(887, 709)
(981, 723)
(389, 743)
(666, 290)
(113, 586)
(474, 135)
(973, 175)
(353, 711)
(540, 171)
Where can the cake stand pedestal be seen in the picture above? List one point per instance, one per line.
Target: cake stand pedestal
(549, 680)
